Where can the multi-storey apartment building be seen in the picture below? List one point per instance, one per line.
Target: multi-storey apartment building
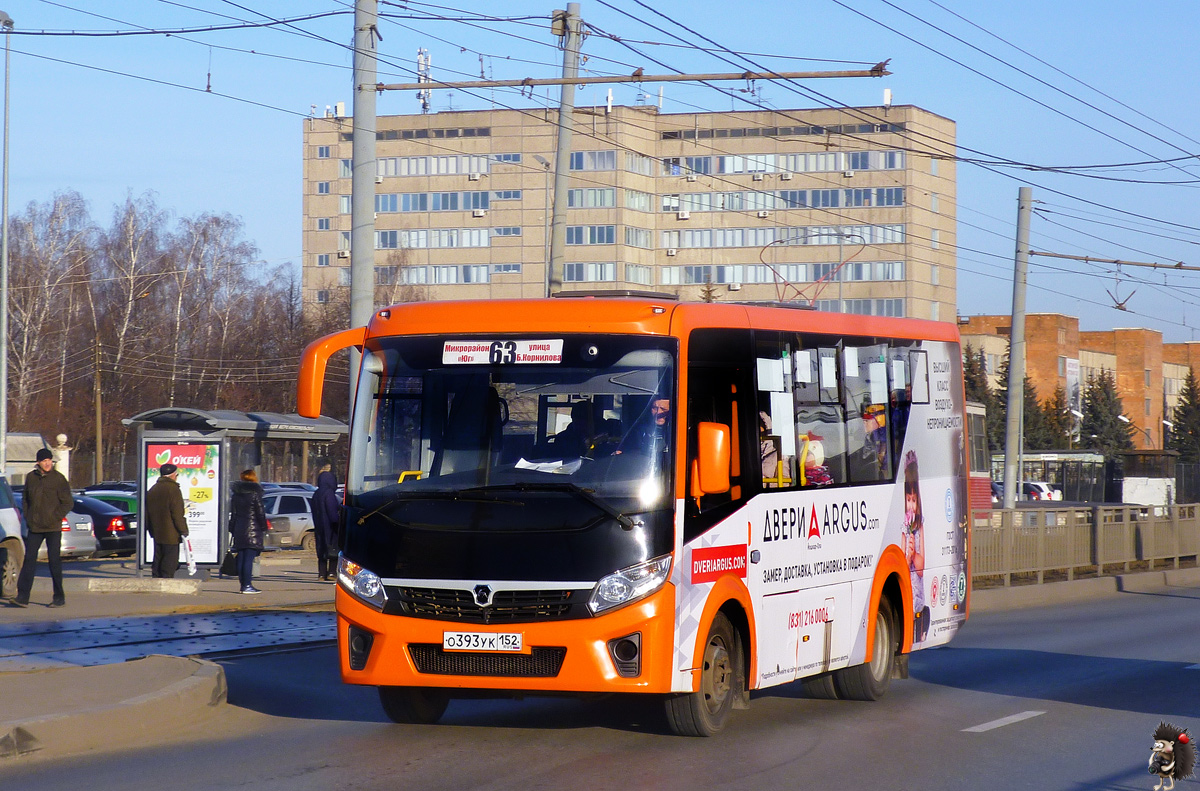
(765, 203)
(1148, 373)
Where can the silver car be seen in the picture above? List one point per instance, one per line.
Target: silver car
(78, 537)
(289, 512)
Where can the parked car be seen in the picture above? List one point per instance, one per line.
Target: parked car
(308, 487)
(115, 527)
(112, 486)
(78, 537)
(289, 512)
(1039, 490)
(126, 501)
(12, 544)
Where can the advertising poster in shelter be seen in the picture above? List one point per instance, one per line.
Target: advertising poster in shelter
(199, 479)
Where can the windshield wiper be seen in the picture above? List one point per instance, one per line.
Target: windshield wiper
(560, 486)
(406, 496)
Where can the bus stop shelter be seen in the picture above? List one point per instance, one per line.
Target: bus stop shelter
(198, 442)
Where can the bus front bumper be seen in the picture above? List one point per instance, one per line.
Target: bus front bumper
(568, 656)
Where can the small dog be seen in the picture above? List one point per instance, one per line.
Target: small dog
(1172, 757)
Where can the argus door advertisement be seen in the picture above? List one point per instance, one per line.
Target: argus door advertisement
(199, 479)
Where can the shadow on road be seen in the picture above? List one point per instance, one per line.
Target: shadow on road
(307, 685)
(1160, 689)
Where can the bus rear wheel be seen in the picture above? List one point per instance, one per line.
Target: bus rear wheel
(705, 712)
(869, 681)
(413, 705)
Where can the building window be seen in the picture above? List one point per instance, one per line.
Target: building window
(933, 166)
(501, 269)
(510, 158)
(593, 160)
(343, 204)
(1062, 366)
(1147, 405)
(324, 224)
(603, 198)
(933, 203)
(934, 274)
(638, 237)
(345, 169)
(934, 239)
(1147, 376)
(344, 240)
(443, 275)
(322, 187)
(638, 201)
(323, 259)
(343, 276)
(322, 297)
(1062, 337)
(636, 273)
(475, 273)
(506, 194)
(639, 163)
(589, 273)
(591, 234)
(322, 152)
(935, 311)
(507, 230)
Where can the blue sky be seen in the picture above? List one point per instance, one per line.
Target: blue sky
(112, 116)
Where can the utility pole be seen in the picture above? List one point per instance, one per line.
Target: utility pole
(562, 156)
(362, 186)
(98, 467)
(1016, 352)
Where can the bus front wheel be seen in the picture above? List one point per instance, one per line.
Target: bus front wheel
(705, 712)
(413, 705)
(869, 681)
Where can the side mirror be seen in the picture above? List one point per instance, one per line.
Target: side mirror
(713, 458)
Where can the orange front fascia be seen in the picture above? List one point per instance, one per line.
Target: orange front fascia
(587, 666)
(311, 379)
(891, 561)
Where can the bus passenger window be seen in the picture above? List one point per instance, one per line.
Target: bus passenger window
(821, 447)
(776, 421)
(866, 387)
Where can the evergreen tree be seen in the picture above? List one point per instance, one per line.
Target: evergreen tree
(1101, 427)
(1059, 419)
(978, 388)
(1185, 433)
(1037, 432)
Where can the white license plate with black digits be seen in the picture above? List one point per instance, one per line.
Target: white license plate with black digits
(504, 642)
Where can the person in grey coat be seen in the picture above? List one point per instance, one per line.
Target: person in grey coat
(325, 511)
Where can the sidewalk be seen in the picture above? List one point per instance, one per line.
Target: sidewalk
(53, 707)
(67, 704)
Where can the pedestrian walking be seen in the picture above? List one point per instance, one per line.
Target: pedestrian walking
(166, 520)
(248, 524)
(47, 500)
(325, 510)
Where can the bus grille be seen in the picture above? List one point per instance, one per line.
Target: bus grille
(448, 604)
(540, 663)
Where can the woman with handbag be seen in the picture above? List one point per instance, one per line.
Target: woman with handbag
(248, 524)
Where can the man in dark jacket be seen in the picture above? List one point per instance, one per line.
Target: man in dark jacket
(325, 508)
(47, 500)
(166, 521)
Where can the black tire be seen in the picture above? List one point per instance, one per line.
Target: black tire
(308, 542)
(705, 712)
(14, 556)
(870, 680)
(413, 705)
(820, 687)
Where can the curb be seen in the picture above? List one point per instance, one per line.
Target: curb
(994, 599)
(180, 702)
(133, 585)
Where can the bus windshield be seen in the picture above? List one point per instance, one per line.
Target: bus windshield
(499, 418)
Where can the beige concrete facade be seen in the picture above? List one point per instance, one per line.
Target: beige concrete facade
(1149, 374)
(758, 205)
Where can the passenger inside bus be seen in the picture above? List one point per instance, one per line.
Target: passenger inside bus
(821, 447)
(576, 439)
(652, 431)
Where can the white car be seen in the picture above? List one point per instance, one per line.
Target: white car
(1039, 490)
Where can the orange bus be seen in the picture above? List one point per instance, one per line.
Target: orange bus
(623, 493)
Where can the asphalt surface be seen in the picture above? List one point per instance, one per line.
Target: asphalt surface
(117, 660)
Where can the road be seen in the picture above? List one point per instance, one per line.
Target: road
(1080, 687)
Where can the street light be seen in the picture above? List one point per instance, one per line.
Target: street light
(6, 23)
(546, 164)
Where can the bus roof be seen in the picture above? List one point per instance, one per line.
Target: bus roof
(636, 315)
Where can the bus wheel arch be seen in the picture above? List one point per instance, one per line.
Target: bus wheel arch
(870, 680)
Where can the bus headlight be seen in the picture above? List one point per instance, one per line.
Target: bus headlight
(364, 584)
(629, 584)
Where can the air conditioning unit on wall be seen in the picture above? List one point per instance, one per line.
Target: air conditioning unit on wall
(758, 177)
(479, 213)
(683, 215)
(343, 253)
(762, 215)
(672, 251)
(785, 176)
(472, 177)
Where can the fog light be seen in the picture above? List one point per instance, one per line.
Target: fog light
(626, 654)
(360, 642)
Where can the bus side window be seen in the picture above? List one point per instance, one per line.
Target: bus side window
(865, 383)
(776, 417)
(899, 395)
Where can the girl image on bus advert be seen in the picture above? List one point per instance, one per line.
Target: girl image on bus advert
(912, 542)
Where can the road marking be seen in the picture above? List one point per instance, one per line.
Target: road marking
(1000, 723)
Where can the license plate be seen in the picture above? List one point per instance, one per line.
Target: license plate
(504, 642)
